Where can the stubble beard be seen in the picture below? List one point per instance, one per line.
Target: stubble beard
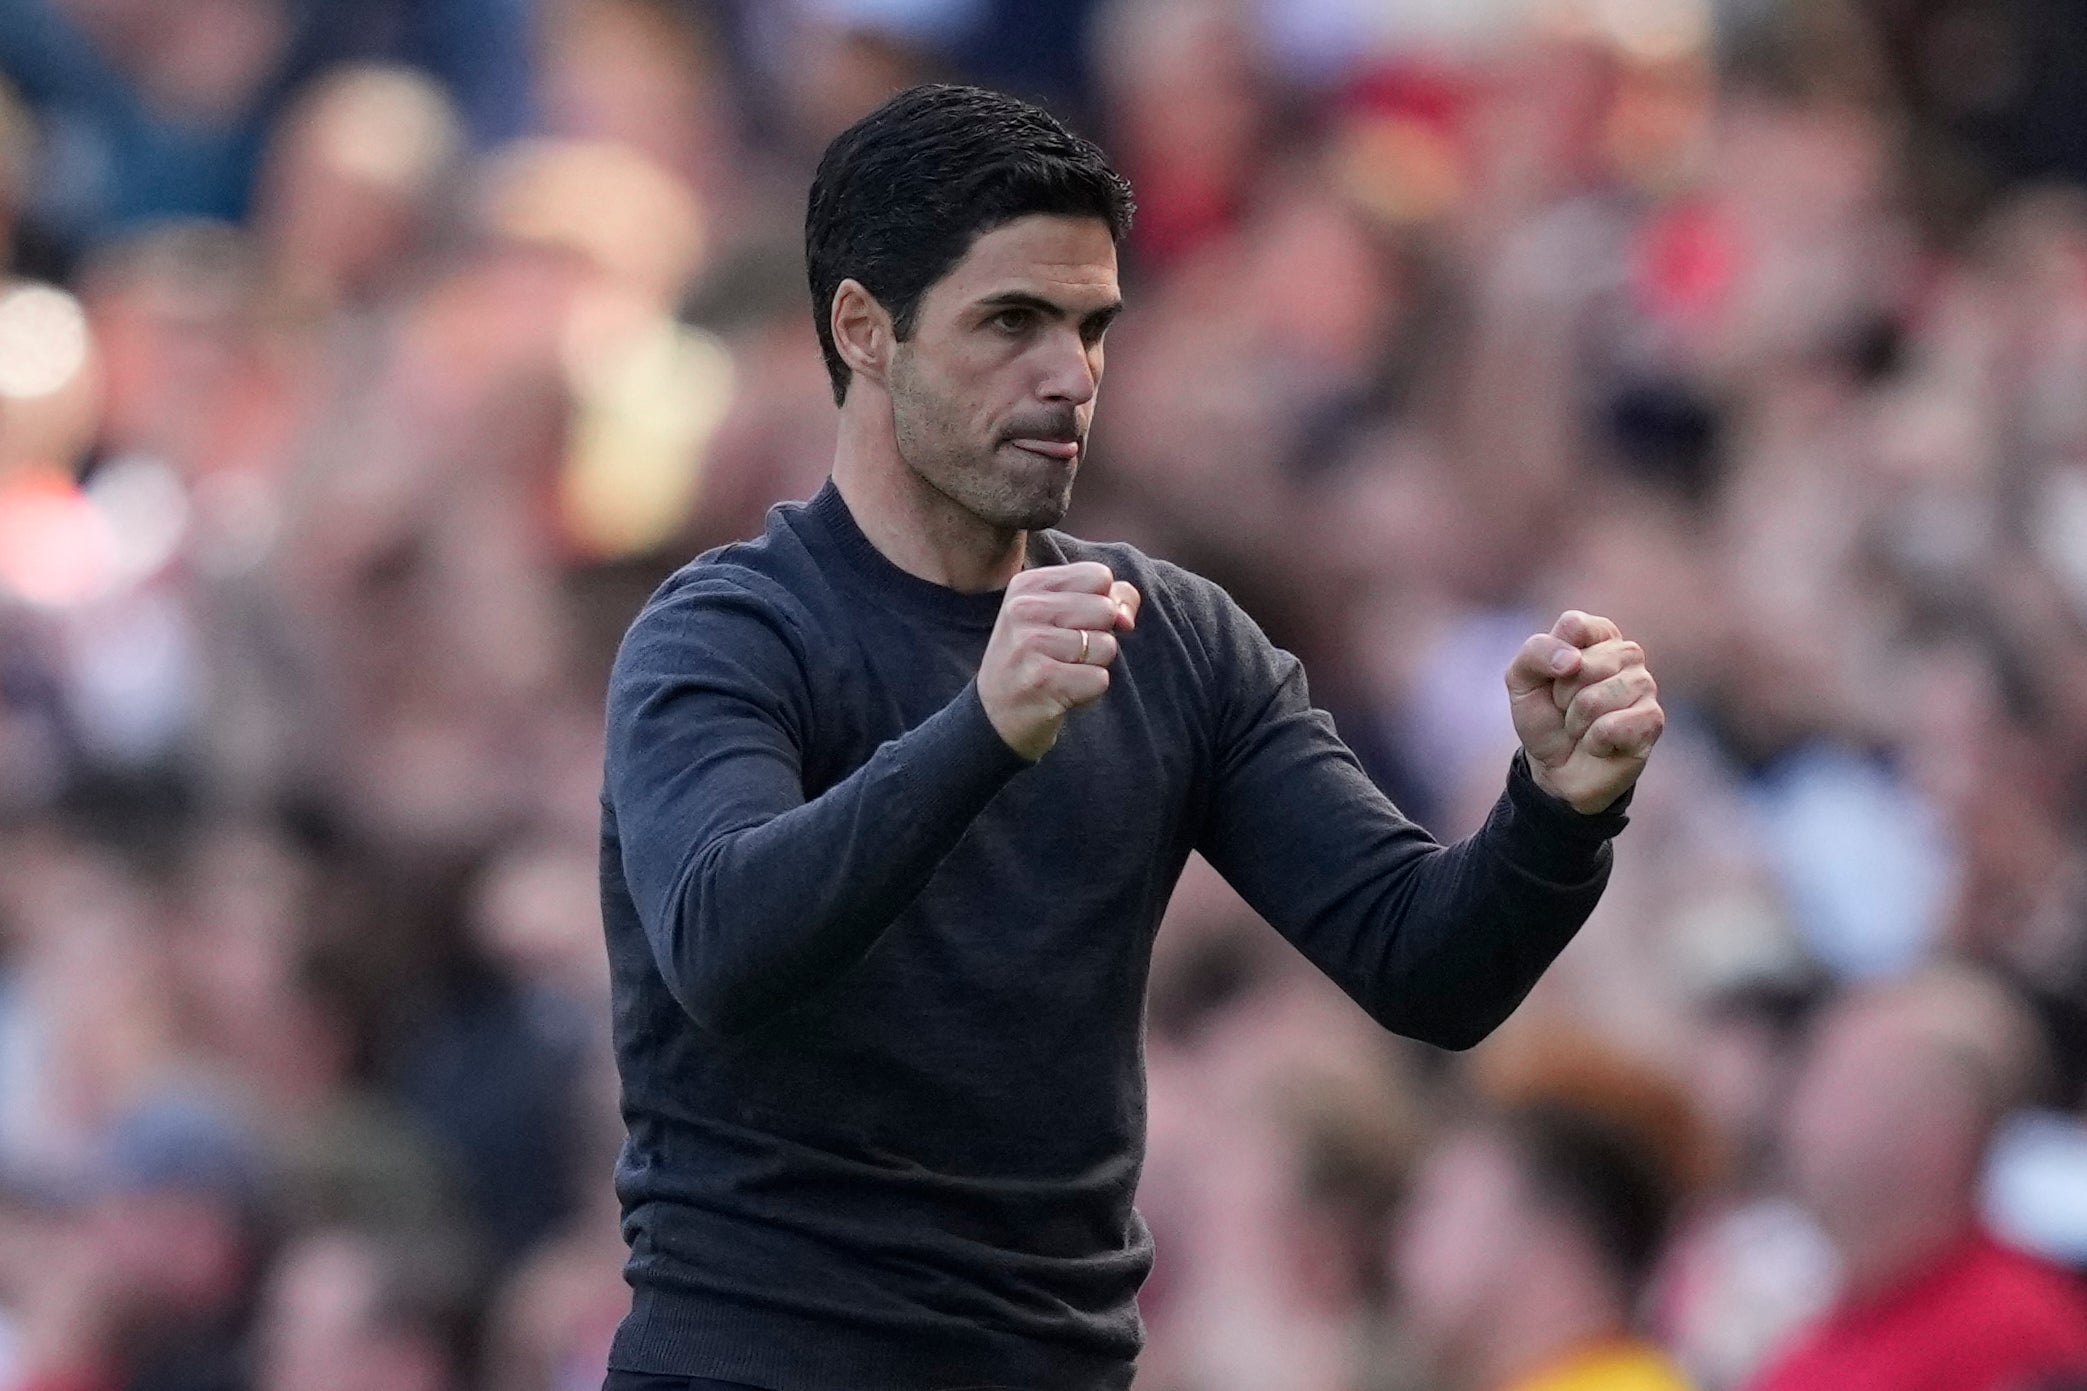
(996, 484)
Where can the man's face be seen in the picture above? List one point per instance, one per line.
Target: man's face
(993, 393)
(1878, 1117)
(1470, 1215)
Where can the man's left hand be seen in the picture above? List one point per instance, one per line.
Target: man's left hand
(1586, 710)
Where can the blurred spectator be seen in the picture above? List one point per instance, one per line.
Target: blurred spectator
(353, 1311)
(87, 1030)
(150, 110)
(493, 1074)
(149, 1280)
(1189, 112)
(17, 160)
(1886, 1137)
(353, 187)
(1283, 1127)
(1533, 1229)
(482, 52)
(1746, 1266)
(161, 108)
(650, 77)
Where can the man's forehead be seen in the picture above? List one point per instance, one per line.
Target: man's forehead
(1057, 258)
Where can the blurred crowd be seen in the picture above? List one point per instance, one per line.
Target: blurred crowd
(364, 364)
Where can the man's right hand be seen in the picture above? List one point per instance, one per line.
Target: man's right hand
(1033, 671)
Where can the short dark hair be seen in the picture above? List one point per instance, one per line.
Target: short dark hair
(901, 195)
(1611, 1182)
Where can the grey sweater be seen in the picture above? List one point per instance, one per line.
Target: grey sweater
(879, 982)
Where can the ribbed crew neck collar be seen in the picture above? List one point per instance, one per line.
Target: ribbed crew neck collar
(901, 588)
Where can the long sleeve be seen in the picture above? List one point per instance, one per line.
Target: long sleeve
(1439, 943)
(751, 896)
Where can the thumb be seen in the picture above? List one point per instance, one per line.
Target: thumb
(1542, 659)
(1128, 602)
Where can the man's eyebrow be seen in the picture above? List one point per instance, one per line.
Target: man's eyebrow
(1021, 299)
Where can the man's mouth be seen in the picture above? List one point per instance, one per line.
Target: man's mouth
(1049, 448)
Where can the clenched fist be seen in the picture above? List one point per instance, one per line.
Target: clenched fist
(1586, 710)
(1051, 649)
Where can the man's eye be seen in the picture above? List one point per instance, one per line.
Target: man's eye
(1011, 320)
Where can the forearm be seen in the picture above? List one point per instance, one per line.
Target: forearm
(1438, 943)
(1472, 926)
(765, 915)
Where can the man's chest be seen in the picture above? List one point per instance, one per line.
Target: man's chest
(1126, 770)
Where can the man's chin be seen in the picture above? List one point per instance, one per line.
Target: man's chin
(1035, 514)
(1048, 512)
(1021, 498)
(1042, 503)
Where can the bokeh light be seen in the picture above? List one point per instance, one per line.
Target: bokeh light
(43, 341)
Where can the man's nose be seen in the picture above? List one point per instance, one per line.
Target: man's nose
(1072, 371)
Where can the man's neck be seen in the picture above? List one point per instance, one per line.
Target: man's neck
(1553, 1321)
(913, 525)
(1901, 1245)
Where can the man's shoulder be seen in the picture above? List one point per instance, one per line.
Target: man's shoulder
(759, 579)
(2040, 1302)
(767, 567)
(1992, 1308)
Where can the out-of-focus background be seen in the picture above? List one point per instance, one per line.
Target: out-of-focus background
(364, 364)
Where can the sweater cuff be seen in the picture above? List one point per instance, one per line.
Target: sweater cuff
(958, 759)
(997, 752)
(1550, 839)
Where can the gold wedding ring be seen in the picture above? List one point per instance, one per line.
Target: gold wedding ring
(1081, 660)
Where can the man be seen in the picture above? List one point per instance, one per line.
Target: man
(1885, 1144)
(350, 1310)
(896, 794)
(1525, 1246)
(143, 1284)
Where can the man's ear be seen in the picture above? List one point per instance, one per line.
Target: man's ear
(862, 331)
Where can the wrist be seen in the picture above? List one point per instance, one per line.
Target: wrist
(1025, 741)
(1025, 745)
(1581, 803)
